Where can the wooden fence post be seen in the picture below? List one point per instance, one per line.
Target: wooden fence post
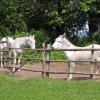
(48, 60)
(43, 61)
(7, 53)
(9, 57)
(92, 62)
(1, 59)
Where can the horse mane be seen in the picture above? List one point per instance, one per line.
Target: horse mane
(67, 41)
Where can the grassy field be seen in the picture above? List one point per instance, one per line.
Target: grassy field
(46, 89)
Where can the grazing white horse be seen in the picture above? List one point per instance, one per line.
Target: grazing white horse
(8, 43)
(18, 46)
(61, 42)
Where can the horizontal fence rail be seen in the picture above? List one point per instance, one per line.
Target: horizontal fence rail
(46, 50)
(73, 61)
(3, 42)
(52, 72)
(42, 49)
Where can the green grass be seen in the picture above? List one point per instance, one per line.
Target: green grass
(46, 89)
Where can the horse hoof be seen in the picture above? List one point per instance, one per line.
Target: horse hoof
(18, 70)
(94, 77)
(1, 66)
(69, 79)
(13, 70)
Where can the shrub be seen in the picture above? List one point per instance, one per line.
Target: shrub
(41, 37)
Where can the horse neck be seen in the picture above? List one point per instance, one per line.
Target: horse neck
(22, 42)
(25, 41)
(68, 44)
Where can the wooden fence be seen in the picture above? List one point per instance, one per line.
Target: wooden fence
(46, 50)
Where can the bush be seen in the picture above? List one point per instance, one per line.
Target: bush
(20, 34)
(41, 37)
(56, 55)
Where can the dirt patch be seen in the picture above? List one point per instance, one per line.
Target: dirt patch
(55, 67)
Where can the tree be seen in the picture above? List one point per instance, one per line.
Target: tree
(72, 15)
(54, 16)
(11, 20)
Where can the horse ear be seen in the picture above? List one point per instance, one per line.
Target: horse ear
(64, 35)
(33, 36)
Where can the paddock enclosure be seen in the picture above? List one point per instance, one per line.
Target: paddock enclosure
(39, 63)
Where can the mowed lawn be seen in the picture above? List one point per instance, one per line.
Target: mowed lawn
(47, 89)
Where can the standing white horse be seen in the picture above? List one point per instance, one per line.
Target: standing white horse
(18, 46)
(61, 42)
(8, 41)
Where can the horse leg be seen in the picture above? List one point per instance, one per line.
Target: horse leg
(9, 58)
(1, 59)
(19, 60)
(70, 69)
(14, 69)
(97, 71)
(96, 66)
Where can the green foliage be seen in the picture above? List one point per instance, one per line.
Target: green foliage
(32, 54)
(84, 41)
(87, 40)
(55, 55)
(11, 20)
(20, 34)
(41, 36)
(96, 37)
(55, 18)
(17, 16)
(87, 5)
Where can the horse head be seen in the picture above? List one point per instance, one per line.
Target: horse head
(31, 41)
(61, 42)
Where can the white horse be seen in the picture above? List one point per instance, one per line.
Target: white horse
(61, 42)
(18, 46)
(8, 41)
